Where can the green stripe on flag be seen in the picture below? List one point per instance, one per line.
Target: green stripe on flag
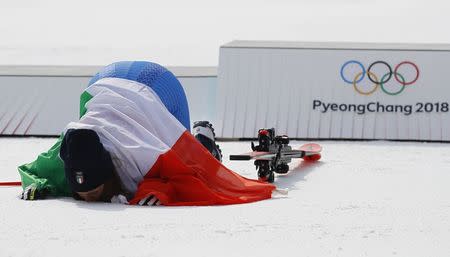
(84, 98)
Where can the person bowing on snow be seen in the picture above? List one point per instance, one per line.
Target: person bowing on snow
(132, 144)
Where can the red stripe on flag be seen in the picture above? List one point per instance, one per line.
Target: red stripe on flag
(189, 175)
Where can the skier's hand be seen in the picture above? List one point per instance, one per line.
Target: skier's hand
(150, 200)
(119, 199)
(32, 192)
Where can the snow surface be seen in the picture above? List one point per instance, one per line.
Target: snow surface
(189, 33)
(362, 199)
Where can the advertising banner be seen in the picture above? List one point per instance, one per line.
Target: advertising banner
(334, 91)
(42, 100)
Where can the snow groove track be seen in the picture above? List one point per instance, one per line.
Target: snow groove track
(361, 199)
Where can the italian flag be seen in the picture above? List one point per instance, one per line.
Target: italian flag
(152, 151)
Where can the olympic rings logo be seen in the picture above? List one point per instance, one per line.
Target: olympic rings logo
(384, 77)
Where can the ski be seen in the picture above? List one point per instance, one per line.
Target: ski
(305, 150)
(273, 153)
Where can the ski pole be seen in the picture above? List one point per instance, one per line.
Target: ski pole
(11, 183)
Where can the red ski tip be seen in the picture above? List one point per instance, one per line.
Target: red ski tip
(312, 158)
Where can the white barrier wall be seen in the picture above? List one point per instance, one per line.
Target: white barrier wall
(41, 100)
(334, 90)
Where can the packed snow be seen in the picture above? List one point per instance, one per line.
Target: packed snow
(361, 199)
(189, 33)
(368, 198)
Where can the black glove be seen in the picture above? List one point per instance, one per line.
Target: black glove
(150, 200)
(32, 192)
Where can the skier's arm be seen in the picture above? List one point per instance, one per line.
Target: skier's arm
(46, 173)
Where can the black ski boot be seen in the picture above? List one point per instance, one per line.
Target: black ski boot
(204, 133)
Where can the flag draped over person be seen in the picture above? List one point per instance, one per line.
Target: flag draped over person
(152, 151)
